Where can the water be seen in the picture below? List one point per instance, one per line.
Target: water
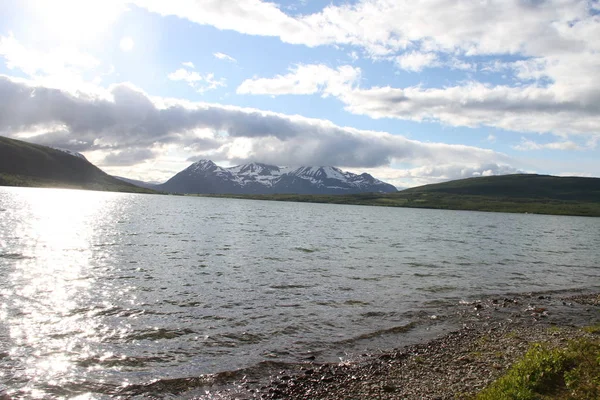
(101, 291)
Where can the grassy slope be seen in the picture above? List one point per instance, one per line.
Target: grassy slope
(571, 372)
(26, 164)
(521, 193)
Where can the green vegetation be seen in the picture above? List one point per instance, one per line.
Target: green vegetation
(533, 194)
(26, 164)
(545, 373)
(520, 186)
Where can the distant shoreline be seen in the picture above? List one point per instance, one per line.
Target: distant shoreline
(437, 201)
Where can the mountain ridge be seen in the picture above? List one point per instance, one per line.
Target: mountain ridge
(205, 177)
(31, 165)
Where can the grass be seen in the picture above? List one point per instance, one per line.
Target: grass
(444, 201)
(572, 373)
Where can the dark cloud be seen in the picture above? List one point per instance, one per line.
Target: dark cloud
(128, 123)
(128, 157)
(61, 139)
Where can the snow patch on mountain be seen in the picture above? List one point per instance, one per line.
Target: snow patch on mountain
(72, 153)
(205, 176)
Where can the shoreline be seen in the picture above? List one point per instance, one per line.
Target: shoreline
(495, 333)
(489, 335)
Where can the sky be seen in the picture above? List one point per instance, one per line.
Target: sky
(413, 92)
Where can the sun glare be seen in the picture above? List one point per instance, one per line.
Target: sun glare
(126, 44)
(54, 276)
(74, 21)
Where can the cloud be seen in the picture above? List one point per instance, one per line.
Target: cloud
(123, 121)
(252, 17)
(223, 56)
(384, 27)
(415, 61)
(527, 145)
(201, 83)
(436, 173)
(526, 108)
(553, 44)
(128, 157)
(304, 79)
(61, 60)
(188, 64)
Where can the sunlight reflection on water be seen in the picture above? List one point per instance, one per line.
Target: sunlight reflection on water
(50, 280)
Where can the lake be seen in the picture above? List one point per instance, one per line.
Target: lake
(101, 291)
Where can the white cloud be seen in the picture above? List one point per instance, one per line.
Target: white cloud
(527, 145)
(126, 44)
(188, 64)
(435, 173)
(60, 67)
(223, 56)
(58, 61)
(416, 61)
(527, 108)
(201, 83)
(554, 42)
(304, 79)
(383, 27)
(252, 17)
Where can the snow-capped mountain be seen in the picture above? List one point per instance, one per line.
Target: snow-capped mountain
(205, 176)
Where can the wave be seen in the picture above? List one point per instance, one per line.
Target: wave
(305, 250)
(177, 386)
(158, 334)
(15, 256)
(291, 286)
(381, 332)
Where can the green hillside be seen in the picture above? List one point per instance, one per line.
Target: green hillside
(521, 193)
(520, 186)
(26, 164)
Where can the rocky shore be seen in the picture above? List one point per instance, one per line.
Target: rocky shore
(493, 334)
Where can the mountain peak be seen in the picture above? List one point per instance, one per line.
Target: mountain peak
(205, 176)
(204, 162)
(256, 168)
(321, 172)
(203, 165)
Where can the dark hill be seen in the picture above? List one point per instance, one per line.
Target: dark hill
(521, 193)
(520, 186)
(27, 164)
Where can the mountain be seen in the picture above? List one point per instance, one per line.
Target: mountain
(27, 164)
(518, 193)
(143, 184)
(206, 177)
